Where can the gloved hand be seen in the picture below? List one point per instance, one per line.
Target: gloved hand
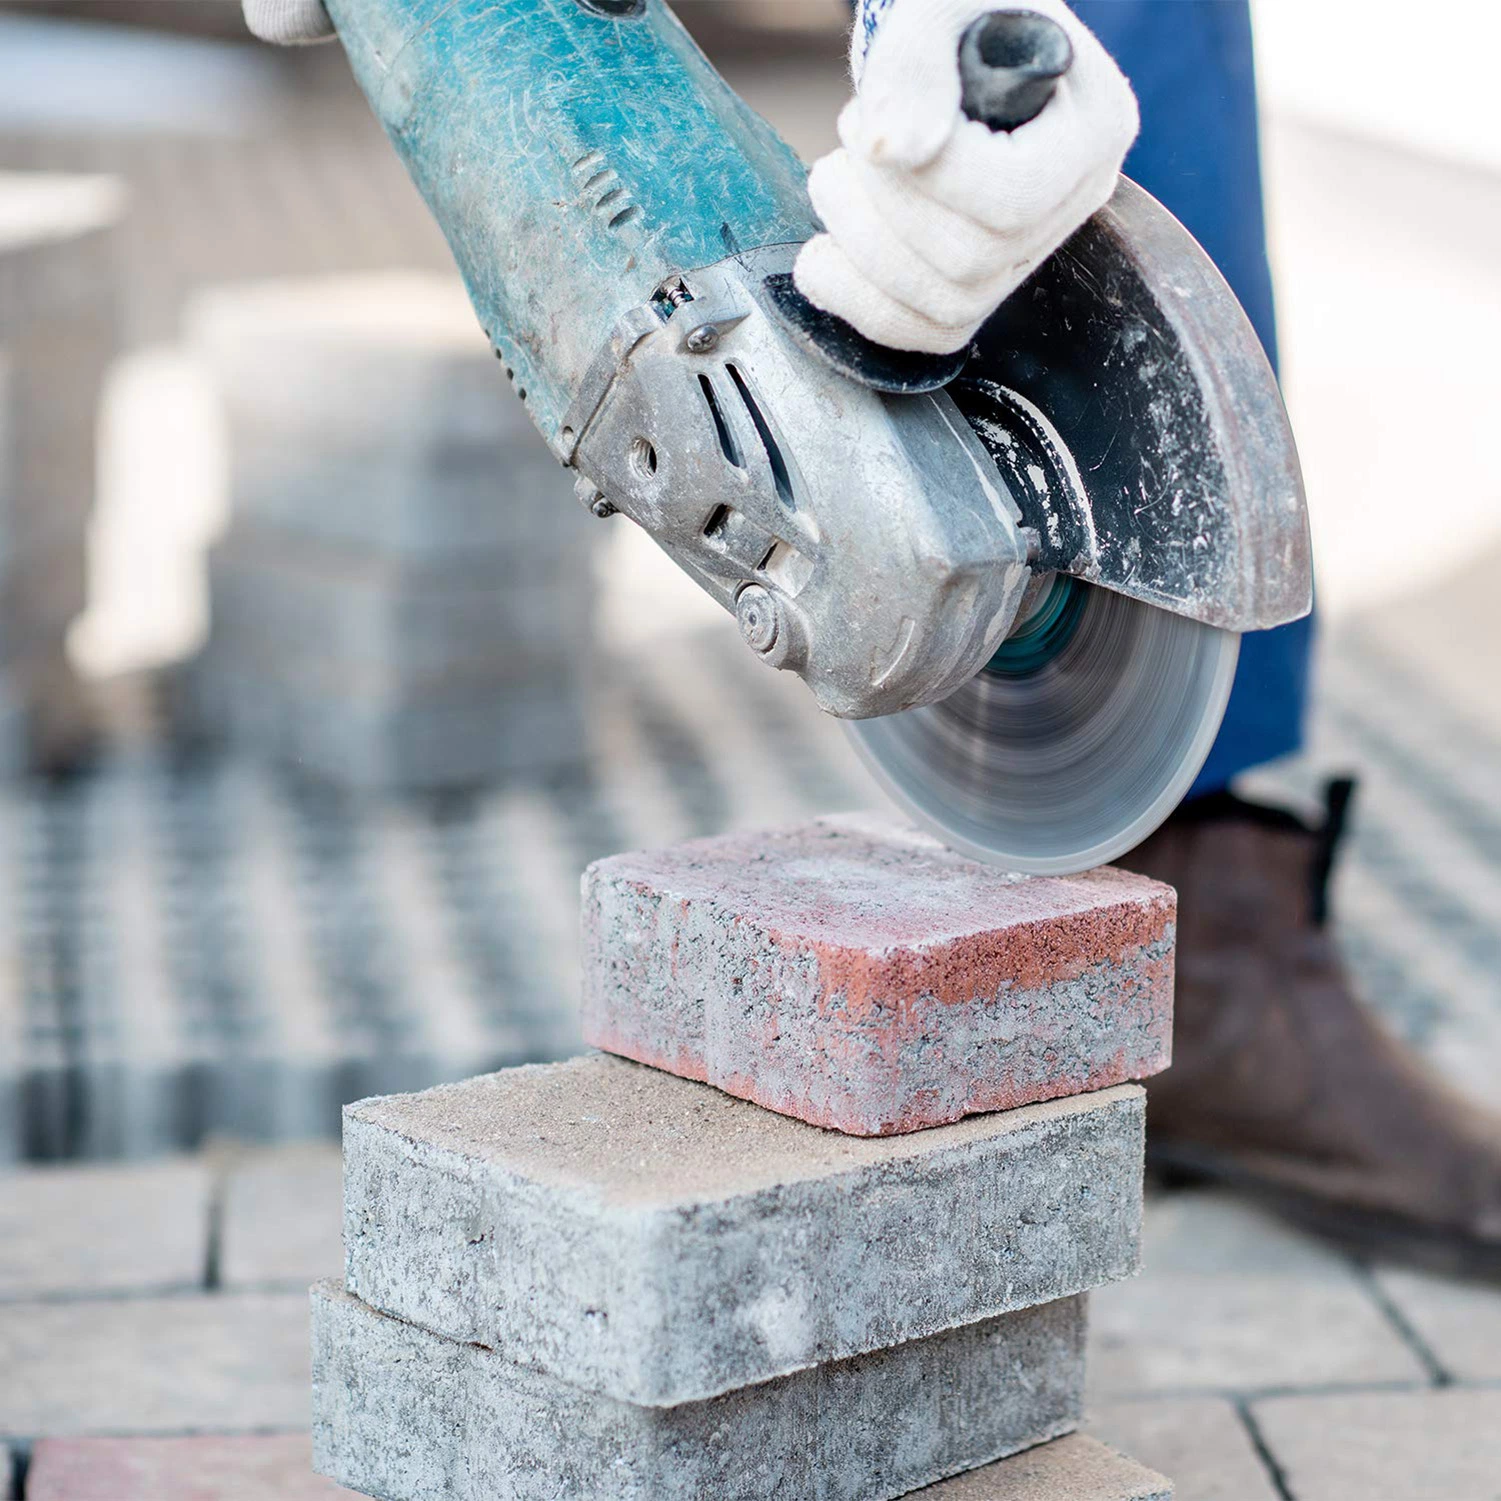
(290, 23)
(933, 220)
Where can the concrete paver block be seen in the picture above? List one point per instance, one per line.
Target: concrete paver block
(1200, 1441)
(636, 1234)
(381, 742)
(403, 1413)
(277, 600)
(281, 1224)
(81, 1230)
(215, 1467)
(1075, 1468)
(1229, 1300)
(231, 1363)
(1385, 1446)
(1459, 1322)
(395, 359)
(862, 977)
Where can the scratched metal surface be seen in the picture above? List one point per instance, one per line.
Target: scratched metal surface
(533, 133)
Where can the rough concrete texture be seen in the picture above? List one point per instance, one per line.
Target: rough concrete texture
(81, 1231)
(1075, 1468)
(1385, 1446)
(1200, 1441)
(280, 1224)
(233, 1363)
(400, 1412)
(653, 1239)
(216, 1467)
(1230, 1300)
(860, 976)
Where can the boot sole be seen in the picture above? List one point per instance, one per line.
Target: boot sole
(1370, 1235)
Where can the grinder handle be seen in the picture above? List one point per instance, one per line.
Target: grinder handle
(1010, 62)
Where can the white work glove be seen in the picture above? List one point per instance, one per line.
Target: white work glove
(289, 23)
(933, 220)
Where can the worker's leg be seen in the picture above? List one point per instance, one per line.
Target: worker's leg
(1281, 1080)
(1190, 63)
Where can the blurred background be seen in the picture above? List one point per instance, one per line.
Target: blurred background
(318, 688)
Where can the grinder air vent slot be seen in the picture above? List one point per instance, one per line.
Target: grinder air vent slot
(727, 444)
(780, 474)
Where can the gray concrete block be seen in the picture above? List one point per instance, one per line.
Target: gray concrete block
(369, 742)
(390, 360)
(1385, 1446)
(636, 1234)
(1075, 1468)
(281, 1218)
(1200, 1441)
(403, 1413)
(433, 503)
(1230, 1300)
(351, 613)
(1459, 1322)
(55, 245)
(84, 1230)
(232, 1363)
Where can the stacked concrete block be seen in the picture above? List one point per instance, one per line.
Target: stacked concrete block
(607, 1279)
(403, 597)
(58, 333)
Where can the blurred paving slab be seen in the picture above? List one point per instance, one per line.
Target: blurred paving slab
(282, 1217)
(1232, 1301)
(1386, 1446)
(234, 1363)
(1200, 1441)
(1075, 1468)
(82, 1231)
(274, 1467)
(1459, 1322)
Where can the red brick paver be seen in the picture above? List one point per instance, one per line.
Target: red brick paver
(212, 1468)
(859, 976)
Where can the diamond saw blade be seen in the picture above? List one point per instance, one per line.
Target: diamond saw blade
(1074, 743)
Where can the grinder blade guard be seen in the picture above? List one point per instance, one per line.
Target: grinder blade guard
(1130, 409)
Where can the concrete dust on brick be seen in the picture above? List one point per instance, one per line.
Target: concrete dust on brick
(860, 976)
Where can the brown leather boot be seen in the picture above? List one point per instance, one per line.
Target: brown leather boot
(1282, 1083)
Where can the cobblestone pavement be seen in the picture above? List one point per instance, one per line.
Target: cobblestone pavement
(169, 1300)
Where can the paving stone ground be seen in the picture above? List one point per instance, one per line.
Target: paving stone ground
(1246, 1362)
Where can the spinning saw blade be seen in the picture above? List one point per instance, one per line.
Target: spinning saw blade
(1080, 736)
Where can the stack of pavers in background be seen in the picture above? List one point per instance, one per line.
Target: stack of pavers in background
(58, 333)
(598, 1279)
(403, 598)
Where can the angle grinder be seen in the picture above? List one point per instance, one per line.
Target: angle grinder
(1021, 577)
